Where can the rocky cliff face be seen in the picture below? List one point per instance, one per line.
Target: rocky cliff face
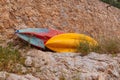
(91, 17)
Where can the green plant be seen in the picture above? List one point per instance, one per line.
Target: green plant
(106, 45)
(9, 57)
(115, 3)
(85, 48)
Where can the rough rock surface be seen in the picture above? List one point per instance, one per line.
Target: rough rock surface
(91, 17)
(68, 66)
(8, 76)
(54, 66)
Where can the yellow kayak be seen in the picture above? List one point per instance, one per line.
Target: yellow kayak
(68, 42)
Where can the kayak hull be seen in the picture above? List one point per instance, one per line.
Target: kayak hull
(32, 40)
(37, 36)
(68, 42)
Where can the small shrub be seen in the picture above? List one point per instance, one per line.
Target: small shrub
(115, 3)
(85, 48)
(9, 57)
(106, 45)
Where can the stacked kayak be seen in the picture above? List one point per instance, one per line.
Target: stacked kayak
(54, 40)
(37, 36)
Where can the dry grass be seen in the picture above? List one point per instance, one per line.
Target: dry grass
(108, 45)
(9, 59)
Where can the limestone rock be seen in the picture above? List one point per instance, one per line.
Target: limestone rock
(69, 66)
(28, 61)
(92, 66)
(10, 76)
